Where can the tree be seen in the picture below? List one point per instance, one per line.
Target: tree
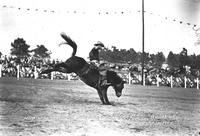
(194, 61)
(131, 56)
(41, 52)
(183, 58)
(146, 58)
(157, 59)
(123, 56)
(20, 48)
(173, 59)
(114, 55)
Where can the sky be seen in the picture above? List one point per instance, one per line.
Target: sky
(113, 22)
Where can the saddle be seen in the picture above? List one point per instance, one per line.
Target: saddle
(102, 68)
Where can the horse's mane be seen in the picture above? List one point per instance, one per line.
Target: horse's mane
(112, 75)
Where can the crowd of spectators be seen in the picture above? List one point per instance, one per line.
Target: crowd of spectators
(164, 76)
(30, 66)
(27, 66)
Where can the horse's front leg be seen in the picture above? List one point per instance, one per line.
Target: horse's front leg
(101, 96)
(105, 97)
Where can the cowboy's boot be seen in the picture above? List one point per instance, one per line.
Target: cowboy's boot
(104, 78)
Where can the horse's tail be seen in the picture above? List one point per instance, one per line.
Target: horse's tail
(70, 42)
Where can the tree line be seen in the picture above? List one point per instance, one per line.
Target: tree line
(132, 57)
(21, 50)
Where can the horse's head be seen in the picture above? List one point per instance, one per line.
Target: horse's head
(116, 82)
(118, 88)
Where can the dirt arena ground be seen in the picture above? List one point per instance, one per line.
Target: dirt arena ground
(31, 107)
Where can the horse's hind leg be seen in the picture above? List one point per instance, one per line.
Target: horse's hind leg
(47, 71)
(104, 92)
(60, 67)
(101, 96)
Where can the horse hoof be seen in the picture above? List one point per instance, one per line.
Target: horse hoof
(108, 103)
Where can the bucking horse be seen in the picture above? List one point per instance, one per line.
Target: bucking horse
(87, 73)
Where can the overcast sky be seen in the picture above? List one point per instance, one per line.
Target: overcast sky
(113, 22)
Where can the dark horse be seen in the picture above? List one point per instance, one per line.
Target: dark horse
(88, 74)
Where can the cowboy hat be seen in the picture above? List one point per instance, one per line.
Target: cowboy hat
(100, 44)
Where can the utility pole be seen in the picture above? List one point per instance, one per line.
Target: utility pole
(143, 78)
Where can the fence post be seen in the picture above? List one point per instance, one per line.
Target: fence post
(0, 70)
(197, 83)
(129, 78)
(35, 73)
(171, 81)
(52, 74)
(18, 71)
(185, 82)
(144, 80)
(157, 78)
(68, 77)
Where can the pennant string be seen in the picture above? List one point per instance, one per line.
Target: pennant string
(99, 13)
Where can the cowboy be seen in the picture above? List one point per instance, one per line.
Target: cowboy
(94, 53)
(95, 60)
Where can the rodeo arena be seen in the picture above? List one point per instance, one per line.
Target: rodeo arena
(130, 68)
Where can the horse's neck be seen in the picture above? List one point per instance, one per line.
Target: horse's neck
(110, 80)
(114, 79)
